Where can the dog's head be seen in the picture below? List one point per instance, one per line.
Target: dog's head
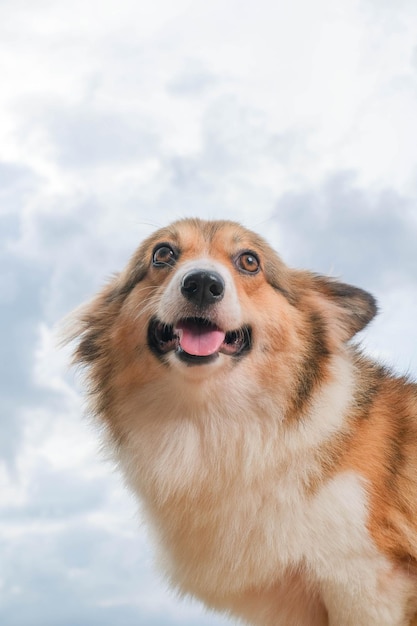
(202, 299)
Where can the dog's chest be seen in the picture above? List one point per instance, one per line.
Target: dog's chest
(229, 501)
(250, 535)
(299, 526)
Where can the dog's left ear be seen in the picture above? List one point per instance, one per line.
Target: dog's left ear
(351, 308)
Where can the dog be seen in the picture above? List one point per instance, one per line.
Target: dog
(275, 463)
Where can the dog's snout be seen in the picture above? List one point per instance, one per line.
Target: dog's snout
(202, 287)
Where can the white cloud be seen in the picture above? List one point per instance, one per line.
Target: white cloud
(333, 72)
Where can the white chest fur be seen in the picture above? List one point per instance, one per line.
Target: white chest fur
(226, 493)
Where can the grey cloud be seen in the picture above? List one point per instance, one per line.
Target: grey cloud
(81, 575)
(365, 238)
(40, 280)
(27, 268)
(55, 580)
(16, 183)
(236, 142)
(343, 229)
(193, 80)
(80, 256)
(56, 495)
(84, 137)
(20, 311)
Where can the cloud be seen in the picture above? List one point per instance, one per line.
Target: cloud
(85, 137)
(20, 299)
(193, 80)
(83, 574)
(365, 237)
(17, 182)
(342, 227)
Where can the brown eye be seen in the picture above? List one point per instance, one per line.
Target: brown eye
(164, 255)
(248, 262)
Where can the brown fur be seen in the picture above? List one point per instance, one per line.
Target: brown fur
(198, 443)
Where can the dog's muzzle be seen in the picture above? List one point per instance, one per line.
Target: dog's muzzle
(196, 337)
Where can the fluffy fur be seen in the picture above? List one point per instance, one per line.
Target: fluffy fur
(278, 471)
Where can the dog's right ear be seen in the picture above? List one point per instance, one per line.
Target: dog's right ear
(89, 324)
(132, 275)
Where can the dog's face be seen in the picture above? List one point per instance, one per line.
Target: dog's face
(200, 315)
(202, 299)
(208, 295)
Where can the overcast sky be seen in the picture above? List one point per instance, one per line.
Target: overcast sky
(296, 118)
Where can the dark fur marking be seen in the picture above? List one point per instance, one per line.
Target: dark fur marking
(372, 377)
(316, 356)
(408, 562)
(93, 352)
(397, 456)
(89, 348)
(136, 275)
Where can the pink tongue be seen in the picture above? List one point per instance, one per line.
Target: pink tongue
(199, 340)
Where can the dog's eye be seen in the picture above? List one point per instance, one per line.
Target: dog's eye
(248, 262)
(163, 255)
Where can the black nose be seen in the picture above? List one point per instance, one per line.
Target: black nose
(202, 287)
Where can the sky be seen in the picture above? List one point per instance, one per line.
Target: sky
(297, 119)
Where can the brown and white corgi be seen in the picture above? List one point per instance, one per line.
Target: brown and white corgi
(277, 465)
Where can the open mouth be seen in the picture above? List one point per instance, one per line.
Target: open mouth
(196, 340)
